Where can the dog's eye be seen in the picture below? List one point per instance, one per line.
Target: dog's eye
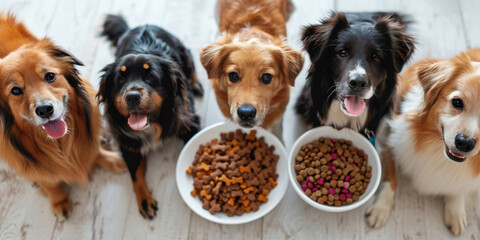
(376, 57)
(50, 77)
(233, 76)
(342, 52)
(457, 103)
(16, 91)
(266, 78)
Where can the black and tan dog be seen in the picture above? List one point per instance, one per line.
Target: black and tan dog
(148, 96)
(355, 61)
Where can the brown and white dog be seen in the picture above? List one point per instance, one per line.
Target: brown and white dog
(49, 118)
(433, 136)
(250, 65)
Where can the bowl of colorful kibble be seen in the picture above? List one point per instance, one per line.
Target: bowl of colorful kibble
(232, 175)
(334, 170)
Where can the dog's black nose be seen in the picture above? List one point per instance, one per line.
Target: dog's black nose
(464, 144)
(246, 112)
(45, 110)
(358, 83)
(133, 98)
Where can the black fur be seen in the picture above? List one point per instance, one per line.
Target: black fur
(360, 34)
(170, 75)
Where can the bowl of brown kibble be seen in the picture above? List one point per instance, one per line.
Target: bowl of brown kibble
(232, 175)
(334, 170)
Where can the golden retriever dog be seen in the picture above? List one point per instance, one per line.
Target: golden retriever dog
(50, 122)
(250, 65)
(433, 136)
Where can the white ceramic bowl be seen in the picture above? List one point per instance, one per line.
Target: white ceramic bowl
(185, 182)
(358, 141)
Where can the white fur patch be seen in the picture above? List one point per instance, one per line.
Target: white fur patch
(413, 100)
(337, 116)
(358, 70)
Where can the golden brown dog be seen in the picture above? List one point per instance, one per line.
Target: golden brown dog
(50, 122)
(433, 136)
(251, 66)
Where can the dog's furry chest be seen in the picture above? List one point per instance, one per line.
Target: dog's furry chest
(147, 139)
(336, 117)
(430, 169)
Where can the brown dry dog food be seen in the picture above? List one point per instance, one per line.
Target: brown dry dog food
(332, 172)
(234, 175)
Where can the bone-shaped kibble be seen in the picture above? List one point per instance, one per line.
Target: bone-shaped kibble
(216, 189)
(237, 193)
(214, 207)
(262, 198)
(203, 167)
(203, 193)
(252, 182)
(225, 179)
(220, 165)
(237, 180)
(248, 190)
(245, 169)
(221, 158)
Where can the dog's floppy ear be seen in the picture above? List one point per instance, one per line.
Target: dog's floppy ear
(316, 37)
(105, 85)
(213, 58)
(433, 76)
(291, 63)
(403, 45)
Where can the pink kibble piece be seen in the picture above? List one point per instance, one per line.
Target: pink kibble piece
(346, 185)
(331, 190)
(333, 140)
(315, 189)
(309, 185)
(304, 187)
(333, 168)
(334, 156)
(321, 181)
(342, 197)
(349, 195)
(308, 178)
(347, 178)
(333, 150)
(344, 191)
(329, 163)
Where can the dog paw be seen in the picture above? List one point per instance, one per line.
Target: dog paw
(148, 208)
(62, 209)
(456, 220)
(377, 215)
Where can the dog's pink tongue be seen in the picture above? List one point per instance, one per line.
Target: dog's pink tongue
(355, 105)
(137, 121)
(55, 128)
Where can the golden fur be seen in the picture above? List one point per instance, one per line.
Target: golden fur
(252, 43)
(421, 136)
(25, 145)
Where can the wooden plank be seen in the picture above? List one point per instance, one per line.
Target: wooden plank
(470, 20)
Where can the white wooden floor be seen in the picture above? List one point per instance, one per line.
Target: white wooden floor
(106, 208)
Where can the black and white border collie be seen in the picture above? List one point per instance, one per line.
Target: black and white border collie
(355, 61)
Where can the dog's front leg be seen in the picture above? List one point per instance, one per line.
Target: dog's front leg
(60, 204)
(455, 215)
(377, 215)
(137, 163)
